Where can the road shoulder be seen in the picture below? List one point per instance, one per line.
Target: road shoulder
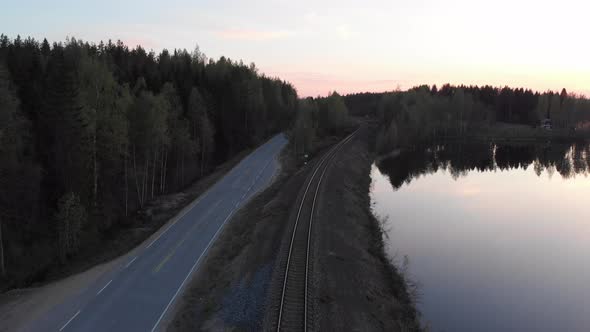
(229, 289)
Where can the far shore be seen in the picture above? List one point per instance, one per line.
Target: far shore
(503, 132)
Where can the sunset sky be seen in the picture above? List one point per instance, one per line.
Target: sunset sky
(344, 45)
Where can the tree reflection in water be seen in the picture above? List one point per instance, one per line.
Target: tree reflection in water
(568, 160)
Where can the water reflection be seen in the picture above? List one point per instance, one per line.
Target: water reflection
(459, 159)
(498, 236)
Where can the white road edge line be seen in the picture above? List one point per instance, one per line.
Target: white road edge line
(131, 262)
(197, 262)
(105, 286)
(71, 319)
(189, 208)
(166, 230)
(191, 270)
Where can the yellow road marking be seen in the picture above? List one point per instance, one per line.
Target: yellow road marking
(170, 254)
(173, 251)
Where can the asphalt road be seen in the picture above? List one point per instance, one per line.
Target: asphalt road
(137, 294)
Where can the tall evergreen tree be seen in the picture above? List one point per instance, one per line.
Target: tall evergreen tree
(19, 176)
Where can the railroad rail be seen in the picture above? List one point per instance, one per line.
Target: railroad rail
(293, 309)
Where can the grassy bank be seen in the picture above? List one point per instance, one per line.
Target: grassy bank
(358, 287)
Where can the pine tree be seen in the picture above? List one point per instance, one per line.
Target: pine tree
(9, 146)
(68, 128)
(19, 176)
(202, 128)
(70, 217)
(105, 105)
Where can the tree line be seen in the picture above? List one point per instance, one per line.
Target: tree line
(317, 118)
(510, 105)
(424, 112)
(90, 132)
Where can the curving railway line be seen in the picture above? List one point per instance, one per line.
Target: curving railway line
(294, 298)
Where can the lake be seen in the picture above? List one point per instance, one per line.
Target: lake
(497, 236)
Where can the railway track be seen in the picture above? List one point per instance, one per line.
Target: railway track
(294, 299)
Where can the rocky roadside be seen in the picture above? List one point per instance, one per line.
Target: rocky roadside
(229, 289)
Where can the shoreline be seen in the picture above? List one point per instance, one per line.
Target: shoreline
(356, 279)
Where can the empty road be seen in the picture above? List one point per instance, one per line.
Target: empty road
(136, 294)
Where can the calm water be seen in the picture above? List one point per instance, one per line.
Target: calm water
(498, 237)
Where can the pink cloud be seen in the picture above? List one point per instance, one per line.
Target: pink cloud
(251, 35)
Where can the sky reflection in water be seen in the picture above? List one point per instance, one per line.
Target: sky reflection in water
(499, 239)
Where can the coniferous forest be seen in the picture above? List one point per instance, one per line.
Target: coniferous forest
(91, 132)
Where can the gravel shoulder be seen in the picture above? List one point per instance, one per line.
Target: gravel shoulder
(230, 291)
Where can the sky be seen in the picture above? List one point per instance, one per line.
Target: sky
(345, 46)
